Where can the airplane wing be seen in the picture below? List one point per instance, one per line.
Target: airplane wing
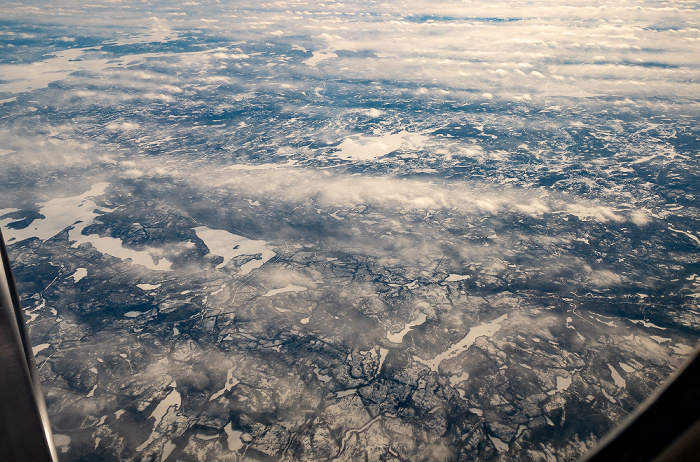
(24, 421)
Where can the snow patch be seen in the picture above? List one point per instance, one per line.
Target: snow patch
(230, 245)
(134, 314)
(398, 337)
(617, 378)
(79, 274)
(319, 56)
(344, 393)
(455, 379)
(233, 440)
(626, 367)
(168, 448)
(647, 324)
(231, 382)
(501, 446)
(457, 277)
(62, 442)
(487, 329)
(382, 356)
(38, 348)
(372, 147)
(321, 377)
(172, 401)
(562, 384)
(76, 213)
(681, 349)
(287, 288)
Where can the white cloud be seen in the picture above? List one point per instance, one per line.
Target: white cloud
(122, 126)
(159, 97)
(374, 113)
(371, 147)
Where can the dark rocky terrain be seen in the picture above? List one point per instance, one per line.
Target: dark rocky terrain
(350, 231)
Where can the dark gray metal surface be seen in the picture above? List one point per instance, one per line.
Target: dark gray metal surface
(25, 432)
